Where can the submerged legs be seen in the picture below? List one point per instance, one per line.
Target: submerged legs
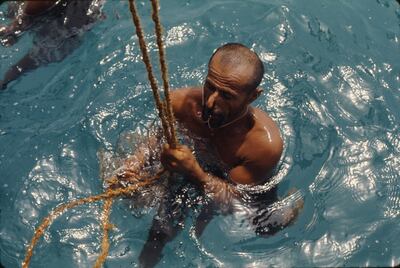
(166, 225)
(27, 63)
(276, 217)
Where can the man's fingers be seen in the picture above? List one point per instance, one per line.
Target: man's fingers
(167, 157)
(169, 153)
(165, 146)
(170, 165)
(172, 154)
(182, 148)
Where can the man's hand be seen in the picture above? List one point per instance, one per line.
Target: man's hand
(181, 160)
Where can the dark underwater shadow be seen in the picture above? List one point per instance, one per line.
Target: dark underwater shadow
(57, 32)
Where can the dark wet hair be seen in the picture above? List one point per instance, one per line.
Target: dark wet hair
(236, 53)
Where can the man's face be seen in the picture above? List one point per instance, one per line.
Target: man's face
(226, 93)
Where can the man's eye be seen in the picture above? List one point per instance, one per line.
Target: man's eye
(226, 95)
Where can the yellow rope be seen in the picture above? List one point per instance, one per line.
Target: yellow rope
(105, 244)
(167, 120)
(58, 211)
(164, 71)
(146, 60)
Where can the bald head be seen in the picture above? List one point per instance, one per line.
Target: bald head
(239, 57)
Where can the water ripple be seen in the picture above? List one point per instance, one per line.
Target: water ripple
(331, 84)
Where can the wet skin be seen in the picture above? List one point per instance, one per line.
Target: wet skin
(251, 146)
(244, 138)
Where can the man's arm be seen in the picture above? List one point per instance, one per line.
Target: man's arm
(23, 21)
(181, 160)
(146, 152)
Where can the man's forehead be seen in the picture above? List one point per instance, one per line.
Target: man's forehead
(237, 72)
(231, 83)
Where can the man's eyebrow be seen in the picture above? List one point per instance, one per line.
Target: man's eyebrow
(225, 89)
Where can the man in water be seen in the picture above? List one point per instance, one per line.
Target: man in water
(58, 26)
(244, 139)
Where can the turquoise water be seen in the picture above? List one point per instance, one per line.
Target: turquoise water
(332, 84)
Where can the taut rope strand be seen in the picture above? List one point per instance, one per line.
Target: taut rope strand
(146, 60)
(164, 70)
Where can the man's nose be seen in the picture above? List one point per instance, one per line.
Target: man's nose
(211, 100)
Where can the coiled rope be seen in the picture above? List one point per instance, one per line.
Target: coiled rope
(167, 121)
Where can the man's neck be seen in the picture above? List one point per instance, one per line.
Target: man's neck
(238, 123)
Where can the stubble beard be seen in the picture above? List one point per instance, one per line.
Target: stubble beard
(213, 120)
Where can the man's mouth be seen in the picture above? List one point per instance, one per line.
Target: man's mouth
(214, 120)
(205, 113)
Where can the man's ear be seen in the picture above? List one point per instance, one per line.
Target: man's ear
(256, 93)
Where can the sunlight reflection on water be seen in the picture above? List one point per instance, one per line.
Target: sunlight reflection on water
(331, 84)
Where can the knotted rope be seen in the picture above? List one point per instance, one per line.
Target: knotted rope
(167, 120)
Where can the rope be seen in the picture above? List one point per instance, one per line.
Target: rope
(105, 244)
(167, 120)
(58, 211)
(164, 71)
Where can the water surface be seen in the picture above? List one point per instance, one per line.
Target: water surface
(332, 84)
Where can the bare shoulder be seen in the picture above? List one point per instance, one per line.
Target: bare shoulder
(185, 100)
(264, 144)
(260, 151)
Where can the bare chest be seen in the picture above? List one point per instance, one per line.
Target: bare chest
(228, 149)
